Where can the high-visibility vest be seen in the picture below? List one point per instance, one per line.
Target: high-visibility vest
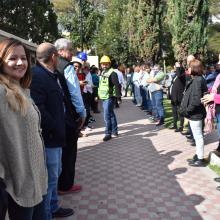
(103, 90)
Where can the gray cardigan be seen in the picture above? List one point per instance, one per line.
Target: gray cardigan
(22, 156)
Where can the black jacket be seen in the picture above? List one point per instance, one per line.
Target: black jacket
(191, 106)
(48, 96)
(114, 83)
(71, 116)
(178, 86)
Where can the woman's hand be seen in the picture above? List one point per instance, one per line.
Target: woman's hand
(207, 98)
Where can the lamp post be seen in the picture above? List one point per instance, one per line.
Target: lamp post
(164, 55)
(81, 24)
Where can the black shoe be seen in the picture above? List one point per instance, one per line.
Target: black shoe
(179, 129)
(193, 144)
(194, 159)
(62, 213)
(92, 120)
(191, 141)
(161, 122)
(185, 133)
(218, 149)
(189, 137)
(107, 137)
(173, 127)
(217, 179)
(198, 163)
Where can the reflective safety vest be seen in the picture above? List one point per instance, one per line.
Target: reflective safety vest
(103, 91)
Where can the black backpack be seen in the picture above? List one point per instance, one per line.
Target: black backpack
(185, 100)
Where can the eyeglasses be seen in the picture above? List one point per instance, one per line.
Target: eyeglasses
(76, 66)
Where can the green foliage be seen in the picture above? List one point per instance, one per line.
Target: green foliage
(111, 40)
(214, 38)
(188, 21)
(214, 7)
(215, 168)
(168, 113)
(31, 20)
(146, 29)
(68, 12)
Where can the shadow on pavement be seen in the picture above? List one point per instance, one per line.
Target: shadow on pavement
(127, 178)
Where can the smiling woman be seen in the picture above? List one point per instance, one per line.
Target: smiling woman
(16, 63)
(23, 175)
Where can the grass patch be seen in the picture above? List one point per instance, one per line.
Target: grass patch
(168, 113)
(215, 168)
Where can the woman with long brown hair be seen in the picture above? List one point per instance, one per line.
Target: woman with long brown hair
(23, 175)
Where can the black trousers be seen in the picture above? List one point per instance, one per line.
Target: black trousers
(94, 103)
(3, 201)
(69, 154)
(127, 87)
(17, 212)
(87, 99)
(176, 115)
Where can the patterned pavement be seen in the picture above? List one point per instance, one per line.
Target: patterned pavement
(141, 175)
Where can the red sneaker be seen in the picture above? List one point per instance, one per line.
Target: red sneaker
(73, 189)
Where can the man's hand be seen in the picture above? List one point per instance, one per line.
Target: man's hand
(177, 64)
(81, 122)
(150, 80)
(82, 83)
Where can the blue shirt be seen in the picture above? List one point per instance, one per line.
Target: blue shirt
(74, 89)
(95, 79)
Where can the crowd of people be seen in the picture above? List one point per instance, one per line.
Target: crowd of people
(46, 107)
(193, 92)
(44, 110)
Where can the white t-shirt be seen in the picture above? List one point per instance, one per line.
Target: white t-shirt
(120, 76)
(88, 87)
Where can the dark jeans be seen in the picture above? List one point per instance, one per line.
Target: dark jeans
(69, 154)
(111, 126)
(176, 116)
(144, 98)
(157, 104)
(16, 212)
(127, 87)
(132, 91)
(94, 103)
(87, 99)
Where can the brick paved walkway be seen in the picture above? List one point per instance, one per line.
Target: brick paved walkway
(141, 175)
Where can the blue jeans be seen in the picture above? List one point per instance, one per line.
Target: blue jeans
(54, 166)
(157, 104)
(144, 98)
(111, 126)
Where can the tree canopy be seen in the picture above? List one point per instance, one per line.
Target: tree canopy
(188, 21)
(68, 12)
(31, 20)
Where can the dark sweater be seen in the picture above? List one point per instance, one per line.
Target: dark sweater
(48, 96)
(178, 86)
(195, 89)
(113, 82)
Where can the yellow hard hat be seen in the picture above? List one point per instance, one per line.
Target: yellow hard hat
(105, 59)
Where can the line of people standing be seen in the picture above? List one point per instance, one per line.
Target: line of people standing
(148, 91)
